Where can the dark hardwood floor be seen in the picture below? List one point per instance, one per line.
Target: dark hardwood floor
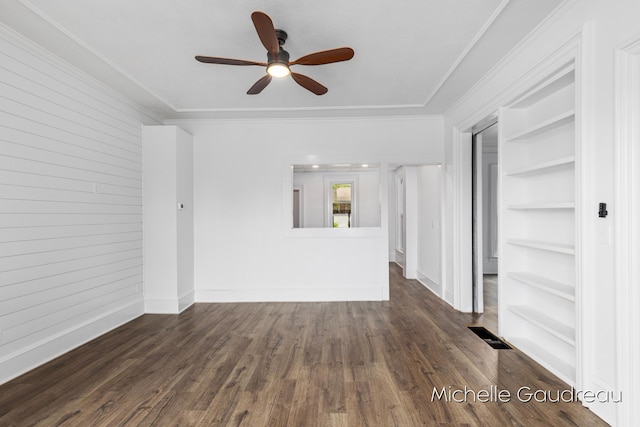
(290, 364)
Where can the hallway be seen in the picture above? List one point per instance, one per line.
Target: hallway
(297, 364)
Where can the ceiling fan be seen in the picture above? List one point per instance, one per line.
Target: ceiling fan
(278, 59)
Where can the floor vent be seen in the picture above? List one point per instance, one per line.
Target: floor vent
(489, 338)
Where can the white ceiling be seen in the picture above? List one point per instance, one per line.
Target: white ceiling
(411, 56)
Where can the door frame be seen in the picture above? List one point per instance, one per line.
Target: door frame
(300, 190)
(627, 96)
(477, 283)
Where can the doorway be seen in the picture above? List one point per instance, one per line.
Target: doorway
(485, 221)
(415, 223)
(297, 207)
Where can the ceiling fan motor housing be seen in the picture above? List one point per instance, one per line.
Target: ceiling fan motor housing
(283, 55)
(282, 58)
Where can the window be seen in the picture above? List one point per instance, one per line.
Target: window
(340, 195)
(341, 206)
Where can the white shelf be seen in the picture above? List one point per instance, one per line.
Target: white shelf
(539, 189)
(564, 161)
(551, 286)
(562, 369)
(544, 245)
(563, 78)
(545, 126)
(542, 206)
(559, 330)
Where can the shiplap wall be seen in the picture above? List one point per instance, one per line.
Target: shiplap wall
(70, 207)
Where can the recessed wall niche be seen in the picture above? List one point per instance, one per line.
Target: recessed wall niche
(339, 195)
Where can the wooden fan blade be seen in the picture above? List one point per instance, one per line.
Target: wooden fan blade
(325, 57)
(266, 32)
(227, 61)
(259, 85)
(309, 84)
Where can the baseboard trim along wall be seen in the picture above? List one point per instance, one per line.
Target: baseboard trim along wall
(434, 287)
(186, 301)
(167, 306)
(604, 391)
(289, 295)
(15, 364)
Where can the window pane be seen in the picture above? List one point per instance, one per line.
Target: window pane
(341, 201)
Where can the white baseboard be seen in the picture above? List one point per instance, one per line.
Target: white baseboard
(161, 306)
(289, 295)
(169, 306)
(606, 411)
(186, 301)
(449, 296)
(24, 360)
(490, 266)
(433, 286)
(399, 259)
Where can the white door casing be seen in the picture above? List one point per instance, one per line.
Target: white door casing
(628, 230)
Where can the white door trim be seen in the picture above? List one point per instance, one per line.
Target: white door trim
(478, 252)
(461, 222)
(627, 230)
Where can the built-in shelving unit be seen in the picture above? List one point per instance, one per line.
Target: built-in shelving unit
(543, 321)
(538, 187)
(551, 286)
(557, 121)
(543, 245)
(549, 205)
(546, 357)
(565, 161)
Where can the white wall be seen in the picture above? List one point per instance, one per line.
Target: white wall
(600, 28)
(411, 195)
(160, 237)
(313, 198)
(367, 211)
(184, 220)
(245, 249)
(70, 207)
(429, 227)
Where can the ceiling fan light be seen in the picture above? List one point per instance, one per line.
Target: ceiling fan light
(278, 70)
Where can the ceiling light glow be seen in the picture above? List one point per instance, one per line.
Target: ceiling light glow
(278, 70)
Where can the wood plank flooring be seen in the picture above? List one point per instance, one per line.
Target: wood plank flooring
(289, 364)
